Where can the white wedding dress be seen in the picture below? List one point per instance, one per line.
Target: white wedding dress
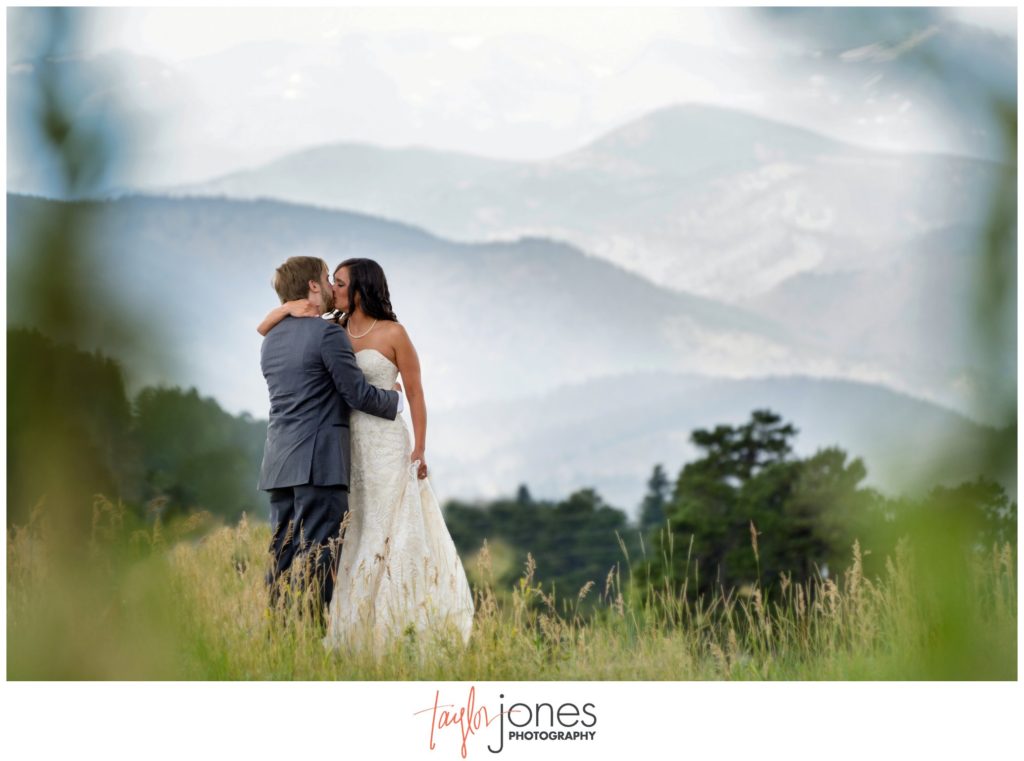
(398, 566)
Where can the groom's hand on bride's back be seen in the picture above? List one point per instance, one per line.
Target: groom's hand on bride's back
(401, 399)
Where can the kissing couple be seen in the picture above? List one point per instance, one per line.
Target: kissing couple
(352, 511)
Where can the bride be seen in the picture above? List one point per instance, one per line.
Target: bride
(398, 569)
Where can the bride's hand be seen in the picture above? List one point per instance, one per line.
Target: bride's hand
(417, 455)
(301, 308)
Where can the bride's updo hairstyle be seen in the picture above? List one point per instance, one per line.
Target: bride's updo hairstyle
(366, 279)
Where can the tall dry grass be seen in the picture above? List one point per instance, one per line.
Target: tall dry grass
(188, 601)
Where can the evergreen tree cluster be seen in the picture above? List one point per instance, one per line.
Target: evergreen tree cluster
(747, 510)
(167, 448)
(572, 541)
(742, 513)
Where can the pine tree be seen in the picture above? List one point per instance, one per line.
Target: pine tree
(652, 509)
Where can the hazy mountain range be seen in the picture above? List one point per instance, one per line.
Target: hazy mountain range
(701, 199)
(871, 257)
(541, 364)
(492, 321)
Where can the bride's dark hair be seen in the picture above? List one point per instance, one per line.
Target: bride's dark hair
(366, 278)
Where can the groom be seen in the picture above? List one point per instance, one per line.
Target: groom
(313, 381)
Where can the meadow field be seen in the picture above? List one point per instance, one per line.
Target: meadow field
(187, 601)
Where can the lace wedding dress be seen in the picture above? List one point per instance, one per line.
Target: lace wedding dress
(398, 566)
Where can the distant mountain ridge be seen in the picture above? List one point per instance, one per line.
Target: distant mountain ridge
(524, 345)
(564, 314)
(710, 201)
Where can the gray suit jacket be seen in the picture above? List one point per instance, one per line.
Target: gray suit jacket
(313, 381)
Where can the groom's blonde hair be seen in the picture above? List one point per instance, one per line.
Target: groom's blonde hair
(291, 280)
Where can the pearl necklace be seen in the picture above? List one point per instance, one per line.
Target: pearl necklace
(360, 336)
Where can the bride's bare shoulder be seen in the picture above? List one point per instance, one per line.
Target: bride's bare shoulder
(394, 330)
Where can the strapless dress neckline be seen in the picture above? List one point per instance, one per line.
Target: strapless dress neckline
(377, 351)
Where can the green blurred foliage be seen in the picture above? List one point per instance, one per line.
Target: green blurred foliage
(170, 450)
(88, 420)
(67, 433)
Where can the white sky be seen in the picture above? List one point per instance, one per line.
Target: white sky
(174, 34)
(508, 82)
